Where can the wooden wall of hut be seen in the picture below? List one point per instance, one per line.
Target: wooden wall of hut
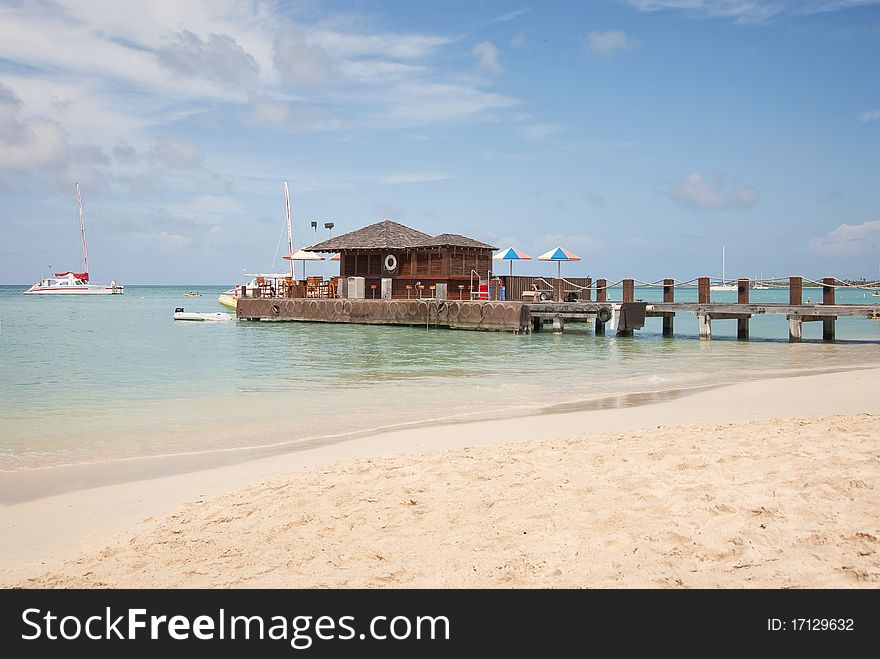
(417, 264)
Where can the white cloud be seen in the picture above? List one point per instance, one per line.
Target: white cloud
(218, 58)
(397, 178)
(300, 62)
(176, 154)
(503, 18)
(34, 146)
(421, 102)
(696, 193)
(538, 132)
(850, 238)
(609, 42)
(824, 6)
(125, 153)
(280, 114)
(748, 11)
(870, 115)
(488, 58)
(518, 40)
(163, 240)
(342, 44)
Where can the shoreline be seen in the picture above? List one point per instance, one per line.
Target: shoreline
(29, 483)
(47, 532)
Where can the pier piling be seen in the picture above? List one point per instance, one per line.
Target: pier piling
(601, 296)
(668, 296)
(705, 322)
(628, 296)
(795, 290)
(828, 298)
(742, 297)
(703, 294)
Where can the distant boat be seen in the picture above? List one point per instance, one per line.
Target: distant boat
(759, 285)
(181, 314)
(273, 282)
(192, 294)
(229, 299)
(74, 283)
(722, 285)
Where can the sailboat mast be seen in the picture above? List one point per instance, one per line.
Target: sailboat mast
(82, 228)
(723, 266)
(289, 230)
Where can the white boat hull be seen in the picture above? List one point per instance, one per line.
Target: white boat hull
(78, 290)
(188, 315)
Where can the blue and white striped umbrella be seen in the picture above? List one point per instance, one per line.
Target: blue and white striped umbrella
(511, 254)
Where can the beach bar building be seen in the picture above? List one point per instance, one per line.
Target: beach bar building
(393, 261)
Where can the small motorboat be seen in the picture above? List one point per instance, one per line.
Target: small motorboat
(192, 294)
(181, 314)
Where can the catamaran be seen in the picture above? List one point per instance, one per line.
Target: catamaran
(74, 283)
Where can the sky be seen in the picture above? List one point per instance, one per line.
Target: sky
(642, 135)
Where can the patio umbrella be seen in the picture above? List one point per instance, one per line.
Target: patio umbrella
(559, 255)
(302, 255)
(511, 254)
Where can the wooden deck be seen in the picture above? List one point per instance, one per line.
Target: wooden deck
(529, 316)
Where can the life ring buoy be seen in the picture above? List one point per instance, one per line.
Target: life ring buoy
(391, 263)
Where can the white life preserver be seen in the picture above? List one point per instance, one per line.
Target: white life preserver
(391, 263)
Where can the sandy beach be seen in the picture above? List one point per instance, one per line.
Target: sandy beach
(774, 483)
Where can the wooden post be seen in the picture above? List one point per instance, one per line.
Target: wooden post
(587, 293)
(703, 295)
(558, 290)
(705, 322)
(742, 297)
(628, 290)
(795, 290)
(795, 329)
(601, 291)
(536, 324)
(828, 290)
(668, 296)
(558, 324)
(828, 298)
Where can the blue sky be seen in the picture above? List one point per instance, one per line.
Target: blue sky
(640, 134)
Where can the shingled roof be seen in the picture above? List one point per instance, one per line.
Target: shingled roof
(381, 235)
(392, 235)
(453, 240)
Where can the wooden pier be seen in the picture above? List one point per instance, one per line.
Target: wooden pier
(530, 316)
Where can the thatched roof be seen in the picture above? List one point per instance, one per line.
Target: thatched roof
(393, 236)
(453, 240)
(382, 235)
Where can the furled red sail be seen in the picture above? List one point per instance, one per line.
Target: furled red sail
(82, 276)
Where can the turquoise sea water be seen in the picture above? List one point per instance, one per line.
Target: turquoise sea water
(99, 378)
